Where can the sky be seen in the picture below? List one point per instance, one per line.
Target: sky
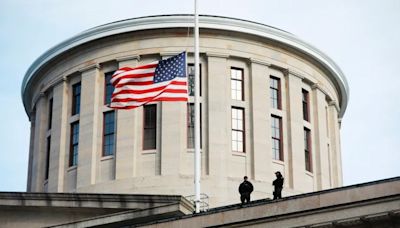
(361, 36)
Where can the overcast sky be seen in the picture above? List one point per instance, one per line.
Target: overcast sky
(362, 37)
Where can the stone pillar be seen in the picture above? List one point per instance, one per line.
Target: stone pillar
(219, 124)
(260, 121)
(32, 118)
(173, 133)
(335, 144)
(39, 147)
(89, 126)
(320, 139)
(59, 144)
(295, 132)
(126, 136)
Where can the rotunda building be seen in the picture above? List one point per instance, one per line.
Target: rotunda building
(269, 102)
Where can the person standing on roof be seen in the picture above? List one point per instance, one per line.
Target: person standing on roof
(245, 189)
(278, 185)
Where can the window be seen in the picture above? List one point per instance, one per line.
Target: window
(76, 98)
(191, 79)
(46, 175)
(149, 127)
(238, 130)
(275, 92)
(50, 115)
(74, 143)
(108, 133)
(276, 133)
(237, 84)
(190, 126)
(306, 113)
(108, 87)
(307, 149)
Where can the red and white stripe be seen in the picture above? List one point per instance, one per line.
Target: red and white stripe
(134, 87)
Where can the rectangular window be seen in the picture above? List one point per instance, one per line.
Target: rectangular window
(276, 133)
(149, 127)
(46, 175)
(191, 79)
(275, 92)
(237, 84)
(108, 133)
(307, 149)
(306, 108)
(190, 126)
(50, 115)
(76, 98)
(74, 143)
(108, 87)
(238, 130)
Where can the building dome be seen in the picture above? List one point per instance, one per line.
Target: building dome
(269, 102)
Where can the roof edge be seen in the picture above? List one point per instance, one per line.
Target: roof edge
(183, 21)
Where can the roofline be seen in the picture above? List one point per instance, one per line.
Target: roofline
(184, 21)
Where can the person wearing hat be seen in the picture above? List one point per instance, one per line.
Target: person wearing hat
(245, 189)
(278, 185)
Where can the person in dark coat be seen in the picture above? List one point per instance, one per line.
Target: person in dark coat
(245, 189)
(278, 185)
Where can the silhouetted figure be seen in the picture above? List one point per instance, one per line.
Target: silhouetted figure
(278, 185)
(245, 189)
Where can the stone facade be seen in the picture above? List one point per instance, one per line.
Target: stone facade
(258, 50)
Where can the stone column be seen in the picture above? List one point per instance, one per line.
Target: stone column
(173, 133)
(89, 126)
(39, 147)
(260, 124)
(32, 118)
(219, 124)
(335, 144)
(320, 139)
(295, 132)
(126, 136)
(59, 144)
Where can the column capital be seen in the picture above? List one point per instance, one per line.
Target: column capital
(217, 55)
(89, 67)
(259, 61)
(334, 104)
(296, 74)
(127, 58)
(169, 53)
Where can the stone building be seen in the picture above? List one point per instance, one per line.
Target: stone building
(269, 102)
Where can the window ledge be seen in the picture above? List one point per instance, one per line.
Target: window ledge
(149, 151)
(239, 154)
(74, 118)
(308, 173)
(279, 162)
(71, 168)
(108, 157)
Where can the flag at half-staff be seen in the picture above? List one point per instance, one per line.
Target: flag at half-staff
(165, 80)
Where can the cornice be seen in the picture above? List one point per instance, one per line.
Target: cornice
(185, 21)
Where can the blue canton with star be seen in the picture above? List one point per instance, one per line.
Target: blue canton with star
(170, 68)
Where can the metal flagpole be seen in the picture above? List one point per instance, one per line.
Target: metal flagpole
(197, 158)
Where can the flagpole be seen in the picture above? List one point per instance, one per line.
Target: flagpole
(197, 157)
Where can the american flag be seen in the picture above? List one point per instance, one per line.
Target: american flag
(164, 80)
